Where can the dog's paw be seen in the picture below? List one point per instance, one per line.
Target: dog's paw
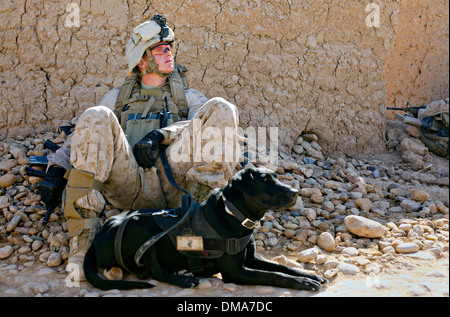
(307, 284)
(319, 279)
(188, 281)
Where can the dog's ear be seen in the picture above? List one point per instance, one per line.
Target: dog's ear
(241, 181)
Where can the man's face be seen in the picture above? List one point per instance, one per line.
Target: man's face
(163, 56)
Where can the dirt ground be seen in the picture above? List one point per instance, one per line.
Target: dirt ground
(408, 276)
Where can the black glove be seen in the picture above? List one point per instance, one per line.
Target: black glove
(146, 150)
(52, 186)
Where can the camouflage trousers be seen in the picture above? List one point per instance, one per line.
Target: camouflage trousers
(203, 150)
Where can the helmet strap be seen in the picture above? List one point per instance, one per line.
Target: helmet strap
(153, 67)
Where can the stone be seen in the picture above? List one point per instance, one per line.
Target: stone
(407, 247)
(350, 251)
(297, 148)
(6, 252)
(4, 202)
(363, 203)
(410, 205)
(414, 145)
(310, 214)
(7, 180)
(307, 255)
(330, 273)
(13, 223)
(298, 204)
(54, 259)
(348, 269)
(326, 242)
(330, 264)
(230, 287)
(364, 227)
(418, 195)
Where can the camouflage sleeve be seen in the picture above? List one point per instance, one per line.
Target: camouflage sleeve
(62, 156)
(195, 101)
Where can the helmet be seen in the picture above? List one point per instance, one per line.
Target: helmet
(146, 35)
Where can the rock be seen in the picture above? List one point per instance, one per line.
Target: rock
(36, 245)
(7, 180)
(407, 247)
(289, 233)
(298, 204)
(307, 255)
(330, 273)
(24, 249)
(351, 251)
(4, 202)
(204, 284)
(333, 184)
(389, 249)
(230, 287)
(331, 264)
(310, 214)
(410, 205)
(297, 148)
(326, 242)
(310, 137)
(308, 192)
(363, 203)
(13, 223)
(364, 227)
(6, 252)
(414, 145)
(418, 195)
(54, 259)
(348, 269)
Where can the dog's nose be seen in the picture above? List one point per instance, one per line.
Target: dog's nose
(293, 193)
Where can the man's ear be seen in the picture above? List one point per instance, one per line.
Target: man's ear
(142, 63)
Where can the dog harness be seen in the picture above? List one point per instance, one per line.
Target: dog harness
(174, 224)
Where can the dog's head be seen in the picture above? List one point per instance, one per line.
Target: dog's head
(257, 190)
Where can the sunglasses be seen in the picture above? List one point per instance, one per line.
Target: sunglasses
(161, 49)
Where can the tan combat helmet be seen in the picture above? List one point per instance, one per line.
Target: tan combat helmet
(145, 36)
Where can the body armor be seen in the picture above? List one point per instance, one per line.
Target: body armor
(139, 110)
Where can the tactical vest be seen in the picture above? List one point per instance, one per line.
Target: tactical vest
(139, 110)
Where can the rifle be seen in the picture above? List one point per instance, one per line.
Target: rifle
(409, 109)
(42, 160)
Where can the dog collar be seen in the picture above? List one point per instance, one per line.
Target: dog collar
(232, 210)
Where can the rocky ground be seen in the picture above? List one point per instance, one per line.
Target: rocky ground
(373, 227)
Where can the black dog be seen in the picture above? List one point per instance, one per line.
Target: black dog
(228, 215)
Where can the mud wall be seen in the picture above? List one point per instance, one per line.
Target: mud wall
(417, 67)
(302, 65)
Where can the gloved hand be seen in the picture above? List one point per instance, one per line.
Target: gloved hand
(146, 150)
(52, 186)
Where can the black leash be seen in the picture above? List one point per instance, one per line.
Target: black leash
(187, 198)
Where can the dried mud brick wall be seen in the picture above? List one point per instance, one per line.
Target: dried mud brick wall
(301, 65)
(417, 68)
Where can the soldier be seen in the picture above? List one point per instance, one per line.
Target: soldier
(112, 152)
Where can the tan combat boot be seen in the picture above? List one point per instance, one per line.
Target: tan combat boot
(82, 223)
